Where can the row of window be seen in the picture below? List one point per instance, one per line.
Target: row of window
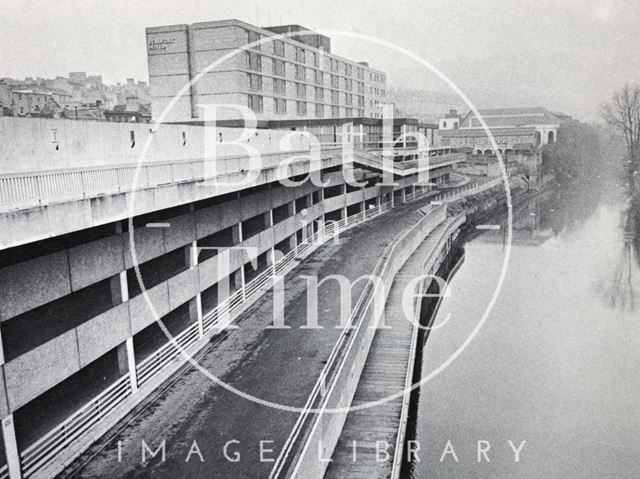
(255, 80)
(335, 65)
(256, 103)
(280, 88)
(486, 141)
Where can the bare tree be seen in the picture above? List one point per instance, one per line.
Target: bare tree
(623, 114)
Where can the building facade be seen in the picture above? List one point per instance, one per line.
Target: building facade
(451, 121)
(294, 77)
(512, 129)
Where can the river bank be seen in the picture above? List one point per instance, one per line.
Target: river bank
(554, 354)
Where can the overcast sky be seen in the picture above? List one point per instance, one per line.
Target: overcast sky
(567, 55)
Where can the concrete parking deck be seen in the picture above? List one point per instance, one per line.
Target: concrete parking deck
(278, 365)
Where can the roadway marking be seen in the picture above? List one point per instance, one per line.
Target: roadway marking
(488, 227)
(158, 225)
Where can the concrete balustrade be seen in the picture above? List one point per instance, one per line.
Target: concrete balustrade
(326, 428)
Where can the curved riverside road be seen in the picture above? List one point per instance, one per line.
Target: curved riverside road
(279, 365)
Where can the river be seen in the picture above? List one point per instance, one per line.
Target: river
(556, 364)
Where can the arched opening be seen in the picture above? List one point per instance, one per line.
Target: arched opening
(500, 151)
(508, 151)
(551, 137)
(478, 152)
(488, 152)
(538, 137)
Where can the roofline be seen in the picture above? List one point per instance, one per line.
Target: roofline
(263, 31)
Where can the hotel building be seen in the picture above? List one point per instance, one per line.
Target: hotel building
(289, 72)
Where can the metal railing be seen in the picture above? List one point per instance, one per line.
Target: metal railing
(46, 449)
(24, 190)
(434, 264)
(352, 344)
(28, 190)
(458, 192)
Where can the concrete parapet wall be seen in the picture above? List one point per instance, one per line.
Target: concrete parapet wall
(38, 144)
(327, 427)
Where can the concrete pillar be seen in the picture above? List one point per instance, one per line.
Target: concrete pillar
(1, 349)
(242, 279)
(273, 260)
(243, 282)
(195, 305)
(124, 286)
(11, 447)
(404, 195)
(123, 360)
(236, 234)
(131, 364)
(195, 312)
(193, 254)
(119, 288)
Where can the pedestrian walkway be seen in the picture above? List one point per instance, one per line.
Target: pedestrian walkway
(367, 445)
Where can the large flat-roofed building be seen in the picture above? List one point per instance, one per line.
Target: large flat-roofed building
(291, 75)
(512, 129)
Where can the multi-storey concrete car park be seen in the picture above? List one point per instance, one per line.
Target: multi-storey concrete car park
(80, 344)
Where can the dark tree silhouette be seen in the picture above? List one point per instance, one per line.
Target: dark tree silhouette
(623, 115)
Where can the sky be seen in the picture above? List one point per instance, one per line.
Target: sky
(565, 55)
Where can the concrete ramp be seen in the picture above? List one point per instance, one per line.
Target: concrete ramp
(368, 443)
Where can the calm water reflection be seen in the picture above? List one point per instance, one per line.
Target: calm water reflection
(556, 364)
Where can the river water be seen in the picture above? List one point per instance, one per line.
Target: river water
(556, 364)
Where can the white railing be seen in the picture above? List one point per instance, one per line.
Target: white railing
(429, 267)
(337, 381)
(471, 188)
(46, 449)
(27, 190)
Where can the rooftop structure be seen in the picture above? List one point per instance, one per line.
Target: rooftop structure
(514, 117)
(512, 129)
(451, 121)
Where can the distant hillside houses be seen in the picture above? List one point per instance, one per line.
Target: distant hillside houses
(78, 96)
